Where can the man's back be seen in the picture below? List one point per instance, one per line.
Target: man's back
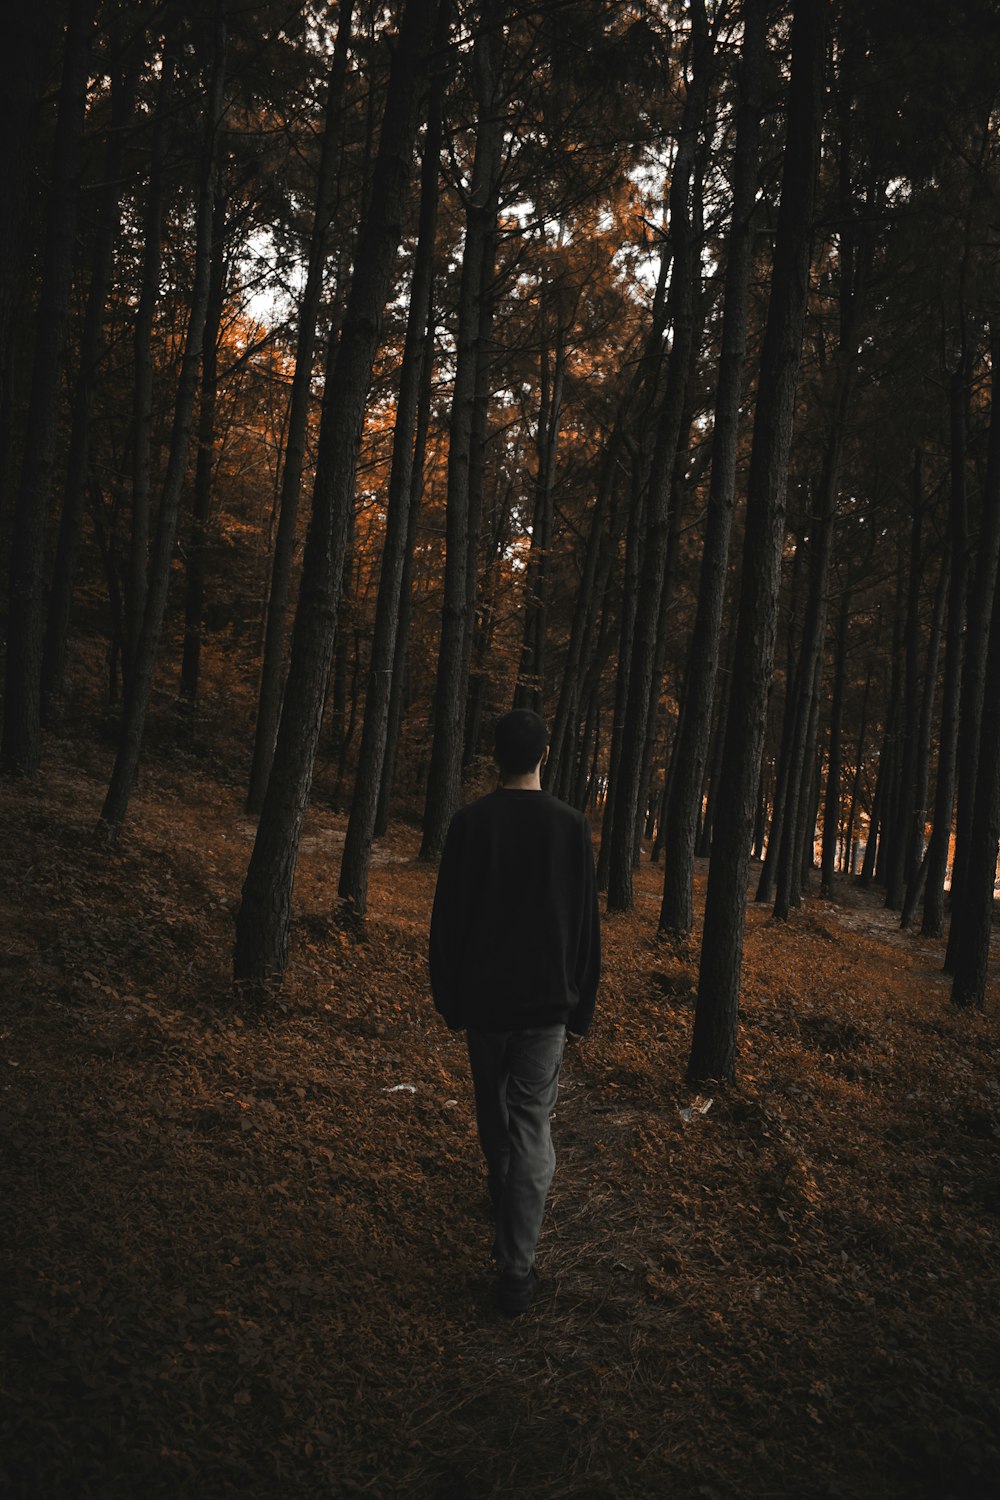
(515, 932)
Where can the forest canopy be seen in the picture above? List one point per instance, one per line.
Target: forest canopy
(366, 370)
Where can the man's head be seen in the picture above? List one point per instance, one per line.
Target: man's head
(520, 741)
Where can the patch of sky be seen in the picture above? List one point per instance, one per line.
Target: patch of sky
(274, 282)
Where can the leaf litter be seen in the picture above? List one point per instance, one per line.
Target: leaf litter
(249, 1255)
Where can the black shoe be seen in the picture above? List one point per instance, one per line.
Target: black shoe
(515, 1294)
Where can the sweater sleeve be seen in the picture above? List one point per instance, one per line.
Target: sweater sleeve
(588, 967)
(446, 926)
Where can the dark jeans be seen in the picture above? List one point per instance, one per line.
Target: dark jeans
(516, 1079)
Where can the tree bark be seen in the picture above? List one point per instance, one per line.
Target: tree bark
(263, 921)
(958, 526)
(713, 1053)
(399, 659)
(804, 847)
(461, 530)
(29, 43)
(852, 806)
(916, 861)
(806, 688)
(868, 864)
(530, 688)
(142, 345)
(631, 425)
(973, 912)
(711, 790)
(197, 544)
(635, 535)
(561, 773)
(760, 817)
(901, 866)
(831, 805)
(800, 762)
(690, 754)
(977, 636)
(685, 479)
(356, 858)
(559, 768)
(475, 582)
(769, 864)
(139, 687)
(642, 688)
(21, 748)
(124, 74)
(889, 756)
(279, 598)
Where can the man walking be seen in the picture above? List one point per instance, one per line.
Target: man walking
(515, 954)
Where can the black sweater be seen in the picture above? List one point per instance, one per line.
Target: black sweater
(515, 933)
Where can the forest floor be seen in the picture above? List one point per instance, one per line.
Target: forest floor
(248, 1256)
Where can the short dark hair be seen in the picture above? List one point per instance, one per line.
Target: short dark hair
(520, 739)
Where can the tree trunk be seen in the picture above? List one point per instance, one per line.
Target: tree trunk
(560, 771)
(586, 792)
(116, 604)
(22, 719)
(901, 866)
(194, 591)
(804, 848)
(868, 864)
(559, 768)
(350, 688)
(279, 598)
(631, 425)
(760, 817)
(944, 797)
(677, 508)
(973, 912)
(142, 345)
(831, 805)
(916, 860)
(690, 755)
(265, 911)
(583, 790)
(809, 676)
(642, 688)
(30, 33)
(124, 74)
(807, 679)
(713, 1053)
(707, 796)
(856, 778)
(399, 659)
(669, 777)
(496, 528)
(685, 481)
(634, 545)
(977, 635)
(461, 529)
(338, 693)
(889, 757)
(769, 865)
(139, 687)
(530, 689)
(356, 859)
(473, 703)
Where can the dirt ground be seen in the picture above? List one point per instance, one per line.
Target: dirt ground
(248, 1257)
